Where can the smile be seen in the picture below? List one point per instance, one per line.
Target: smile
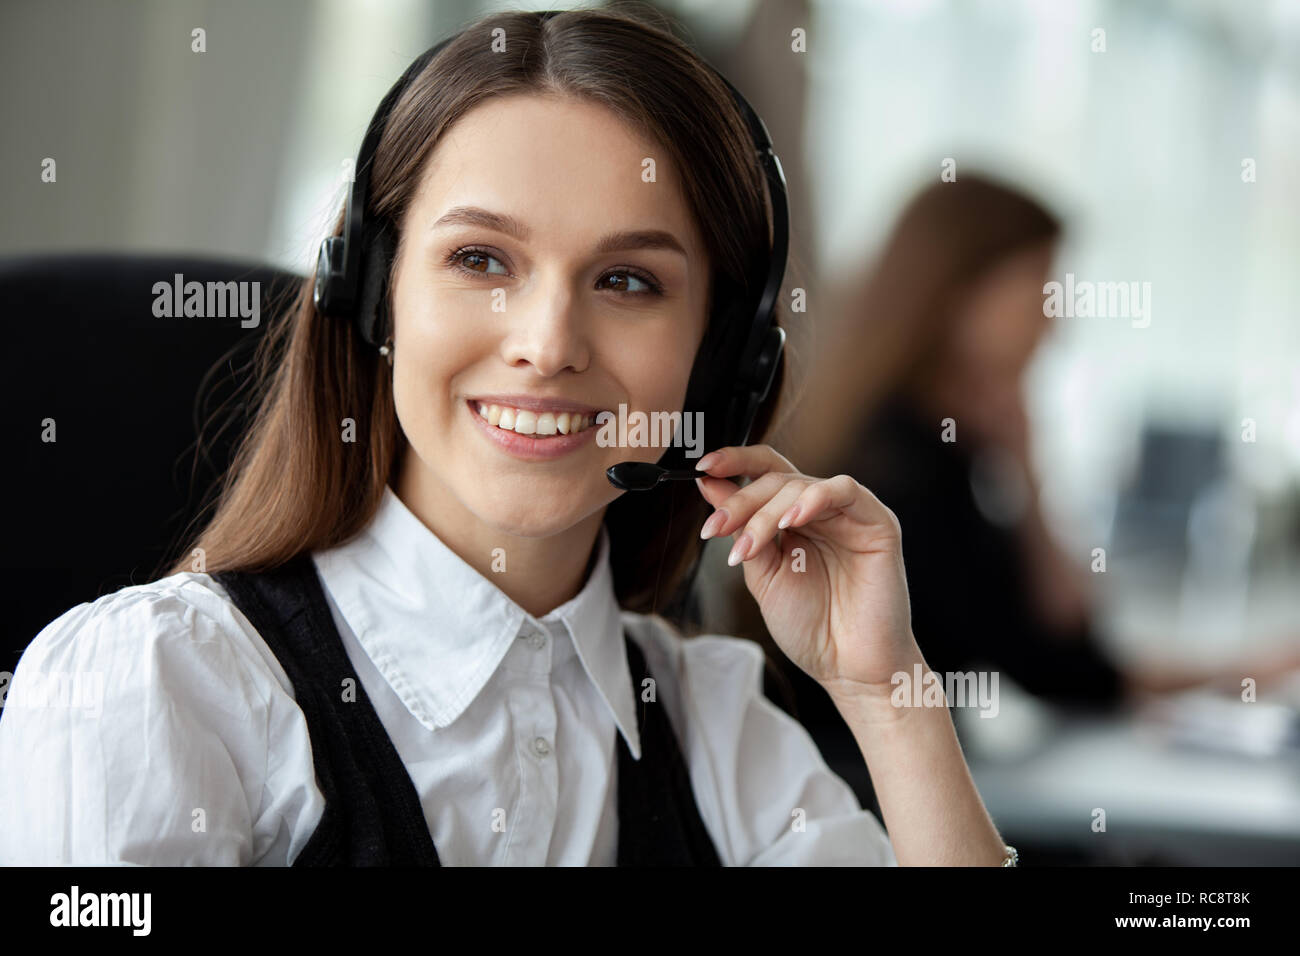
(524, 421)
(532, 434)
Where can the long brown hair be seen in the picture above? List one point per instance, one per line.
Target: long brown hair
(294, 486)
(893, 317)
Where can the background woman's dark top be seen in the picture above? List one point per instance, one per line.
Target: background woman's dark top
(965, 574)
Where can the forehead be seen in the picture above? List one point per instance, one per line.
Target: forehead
(567, 167)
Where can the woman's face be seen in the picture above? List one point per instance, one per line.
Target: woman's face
(989, 344)
(1001, 321)
(540, 280)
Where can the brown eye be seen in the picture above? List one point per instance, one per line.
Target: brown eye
(476, 261)
(624, 282)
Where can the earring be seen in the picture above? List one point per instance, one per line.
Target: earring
(386, 350)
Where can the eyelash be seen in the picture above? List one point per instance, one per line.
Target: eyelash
(455, 257)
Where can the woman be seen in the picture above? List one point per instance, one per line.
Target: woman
(442, 571)
(953, 314)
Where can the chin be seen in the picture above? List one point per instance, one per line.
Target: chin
(544, 509)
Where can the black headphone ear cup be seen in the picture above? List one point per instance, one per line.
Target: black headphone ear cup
(376, 263)
(328, 292)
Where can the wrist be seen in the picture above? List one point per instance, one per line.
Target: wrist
(882, 701)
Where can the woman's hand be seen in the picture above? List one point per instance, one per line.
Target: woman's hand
(824, 560)
(845, 620)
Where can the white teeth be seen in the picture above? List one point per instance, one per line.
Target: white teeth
(525, 422)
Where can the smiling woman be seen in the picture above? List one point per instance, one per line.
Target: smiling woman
(583, 287)
(440, 643)
(586, 282)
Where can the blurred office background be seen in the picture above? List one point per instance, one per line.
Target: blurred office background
(240, 152)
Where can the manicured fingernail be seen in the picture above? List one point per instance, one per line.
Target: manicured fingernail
(707, 462)
(740, 550)
(788, 517)
(716, 521)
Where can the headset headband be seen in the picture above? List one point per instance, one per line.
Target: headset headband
(352, 269)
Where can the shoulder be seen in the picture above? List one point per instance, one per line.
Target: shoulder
(762, 786)
(183, 622)
(148, 708)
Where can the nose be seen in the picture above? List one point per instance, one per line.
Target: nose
(546, 329)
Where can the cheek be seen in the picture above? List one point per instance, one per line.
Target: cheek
(655, 377)
(428, 352)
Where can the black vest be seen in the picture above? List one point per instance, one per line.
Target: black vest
(372, 813)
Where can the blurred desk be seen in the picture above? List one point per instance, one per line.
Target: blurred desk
(1178, 779)
(1164, 801)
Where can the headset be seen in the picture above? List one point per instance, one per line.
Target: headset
(352, 273)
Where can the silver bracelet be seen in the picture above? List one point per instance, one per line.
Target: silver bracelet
(1012, 858)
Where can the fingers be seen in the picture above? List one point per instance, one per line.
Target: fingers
(839, 495)
(716, 490)
(737, 508)
(748, 461)
(761, 528)
(781, 498)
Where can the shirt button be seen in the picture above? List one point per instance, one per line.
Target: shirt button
(537, 641)
(541, 747)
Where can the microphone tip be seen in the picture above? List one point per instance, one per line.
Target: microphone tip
(634, 475)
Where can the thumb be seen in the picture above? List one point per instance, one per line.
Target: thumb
(716, 490)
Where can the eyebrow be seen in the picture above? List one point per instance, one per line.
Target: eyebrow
(612, 242)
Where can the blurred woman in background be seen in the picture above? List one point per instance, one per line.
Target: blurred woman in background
(948, 322)
(943, 328)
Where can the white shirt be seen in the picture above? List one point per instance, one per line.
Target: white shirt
(155, 727)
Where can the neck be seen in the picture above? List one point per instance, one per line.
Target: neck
(538, 574)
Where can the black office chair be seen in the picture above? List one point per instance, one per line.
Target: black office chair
(105, 503)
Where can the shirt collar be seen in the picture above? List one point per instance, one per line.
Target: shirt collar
(437, 630)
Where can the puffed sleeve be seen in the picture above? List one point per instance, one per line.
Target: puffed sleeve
(763, 789)
(135, 732)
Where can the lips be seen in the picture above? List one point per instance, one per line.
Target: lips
(522, 439)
